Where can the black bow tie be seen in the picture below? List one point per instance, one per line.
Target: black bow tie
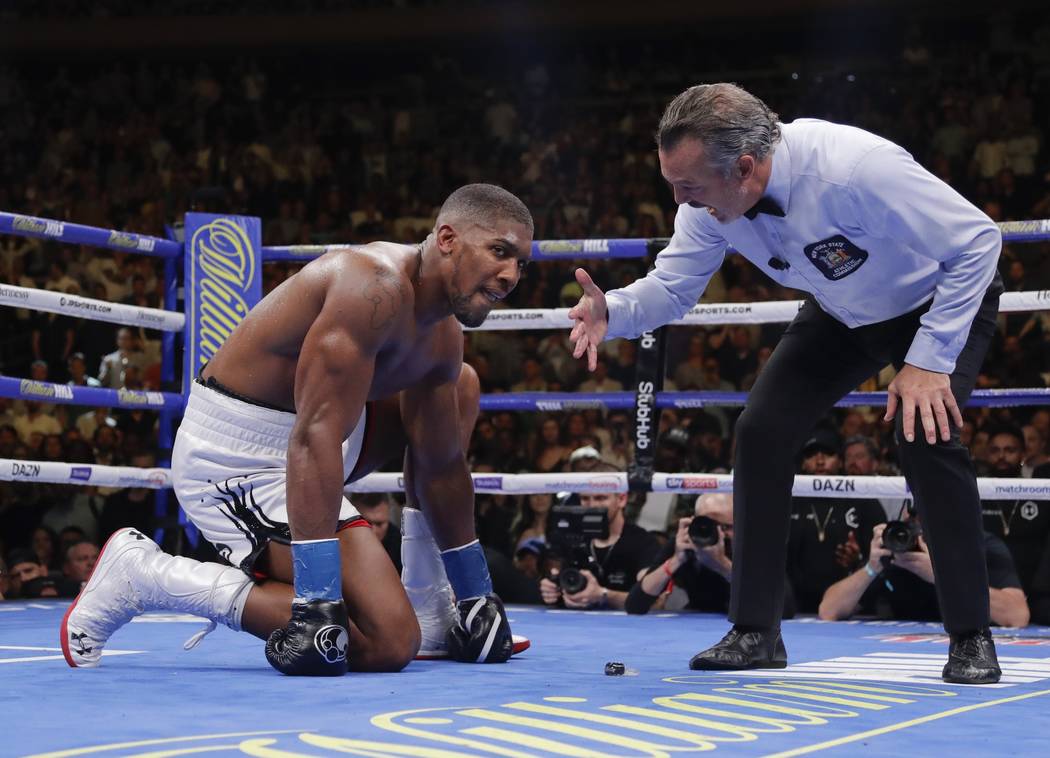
(765, 205)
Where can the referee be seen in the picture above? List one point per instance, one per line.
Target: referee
(901, 270)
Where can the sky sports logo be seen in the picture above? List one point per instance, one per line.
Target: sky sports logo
(692, 483)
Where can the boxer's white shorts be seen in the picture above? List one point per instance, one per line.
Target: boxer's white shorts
(229, 469)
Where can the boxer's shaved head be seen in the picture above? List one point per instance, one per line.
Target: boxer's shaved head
(482, 204)
(484, 234)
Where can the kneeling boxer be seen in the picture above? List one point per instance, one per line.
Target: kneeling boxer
(278, 421)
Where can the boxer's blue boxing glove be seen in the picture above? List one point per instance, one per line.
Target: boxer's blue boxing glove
(481, 634)
(315, 640)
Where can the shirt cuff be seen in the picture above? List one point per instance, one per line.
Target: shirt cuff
(617, 312)
(927, 352)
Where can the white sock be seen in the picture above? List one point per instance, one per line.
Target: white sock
(423, 574)
(211, 590)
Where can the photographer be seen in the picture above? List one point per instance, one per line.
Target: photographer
(897, 581)
(697, 561)
(698, 564)
(607, 566)
(827, 535)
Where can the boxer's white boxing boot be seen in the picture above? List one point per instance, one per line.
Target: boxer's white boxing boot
(427, 587)
(133, 575)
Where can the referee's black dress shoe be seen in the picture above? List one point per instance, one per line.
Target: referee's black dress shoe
(743, 648)
(971, 659)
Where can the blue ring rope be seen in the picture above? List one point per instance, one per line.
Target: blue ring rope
(580, 249)
(575, 401)
(49, 392)
(80, 234)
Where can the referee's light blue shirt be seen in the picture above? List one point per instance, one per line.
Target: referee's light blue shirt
(867, 230)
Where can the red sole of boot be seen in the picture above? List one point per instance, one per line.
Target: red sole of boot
(63, 630)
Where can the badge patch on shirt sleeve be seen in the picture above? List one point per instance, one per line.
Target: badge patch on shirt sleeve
(836, 257)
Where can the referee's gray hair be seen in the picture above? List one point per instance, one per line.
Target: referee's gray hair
(728, 120)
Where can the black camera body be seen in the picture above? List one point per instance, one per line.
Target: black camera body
(570, 529)
(704, 531)
(901, 536)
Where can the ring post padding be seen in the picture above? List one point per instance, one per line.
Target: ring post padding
(223, 282)
(165, 434)
(648, 380)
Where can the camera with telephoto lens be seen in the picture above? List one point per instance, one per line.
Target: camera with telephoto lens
(901, 536)
(703, 531)
(570, 529)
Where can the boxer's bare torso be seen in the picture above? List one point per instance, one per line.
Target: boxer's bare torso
(375, 288)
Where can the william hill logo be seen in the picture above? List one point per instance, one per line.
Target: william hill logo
(38, 226)
(45, 389)
(135, 397)
(130, 241)
(225, 269)
(132, 397)
(573, 247)
(307, 249)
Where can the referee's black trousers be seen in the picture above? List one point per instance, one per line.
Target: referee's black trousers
(817, 361)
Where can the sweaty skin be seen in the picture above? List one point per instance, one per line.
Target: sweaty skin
(367, 323)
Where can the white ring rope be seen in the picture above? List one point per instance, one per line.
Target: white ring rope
(707, 314)
(87, 474)
(848, 487)
(716, 314)
(90, 308)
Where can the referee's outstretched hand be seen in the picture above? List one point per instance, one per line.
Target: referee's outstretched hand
(931, 393)
(592, 320)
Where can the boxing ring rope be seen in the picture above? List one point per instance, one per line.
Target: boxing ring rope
(856, 487)
(577, 401)
(547, 250)
(171, 321)
(99, 310)
(79, 234)
(522, 484)
(542, 250)
(51, 392)
(720, 314)
(87, 474)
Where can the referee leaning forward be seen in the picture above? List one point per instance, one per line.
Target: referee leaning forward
(901, 270)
